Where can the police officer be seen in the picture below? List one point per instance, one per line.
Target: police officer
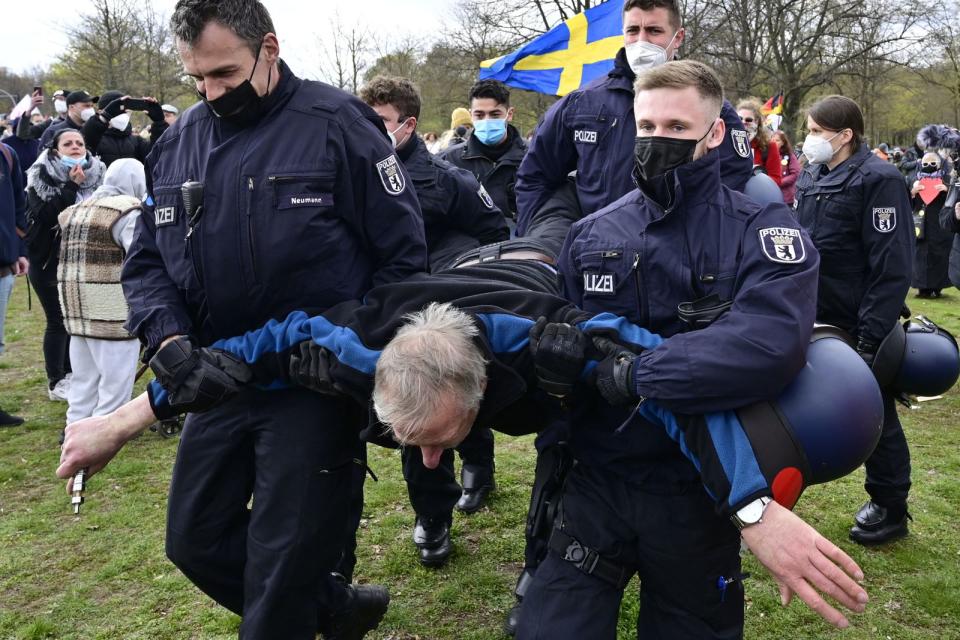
(856, 208)
(632, 503)
(590, 130)
(296, 201)
(494, 149)
(458, 216)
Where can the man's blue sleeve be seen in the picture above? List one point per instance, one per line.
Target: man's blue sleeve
(551, 157)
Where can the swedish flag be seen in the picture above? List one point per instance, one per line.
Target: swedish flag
(565, 58)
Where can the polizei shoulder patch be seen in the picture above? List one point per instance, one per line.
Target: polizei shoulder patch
(391, 176)
(783, 244)
(740, 142)
(884, 219)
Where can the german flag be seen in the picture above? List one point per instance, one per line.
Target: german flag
(774, 105)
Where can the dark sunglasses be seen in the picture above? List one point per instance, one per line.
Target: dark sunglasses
(748, 120)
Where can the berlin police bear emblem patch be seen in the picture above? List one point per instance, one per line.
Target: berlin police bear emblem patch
(391, 176)
(782, 244)
(884, 219)
(740, 142)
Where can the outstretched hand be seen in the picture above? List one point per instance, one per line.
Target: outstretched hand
(805, 563)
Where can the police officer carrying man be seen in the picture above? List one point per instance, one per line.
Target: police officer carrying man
(856, 208)
(458, 216)
(294, 199)
(590, 130)
(633, 503)
(494, 149)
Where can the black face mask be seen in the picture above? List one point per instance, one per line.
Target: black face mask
(656, 155)
(241, 105)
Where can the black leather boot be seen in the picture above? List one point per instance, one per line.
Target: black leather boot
(513, 616)
(876, 524)
(432, 537)
(366, 605)
(477, 484)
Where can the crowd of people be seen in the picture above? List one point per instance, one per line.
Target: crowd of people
(307, 272)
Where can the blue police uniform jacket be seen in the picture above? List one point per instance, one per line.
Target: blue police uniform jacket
(593, 131)
(860, 219)
(307, 208)
(637, 260)
(458, 213)
(504, 298)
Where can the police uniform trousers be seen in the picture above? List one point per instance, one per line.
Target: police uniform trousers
(888, 467)
(434, 492)
(292, 451)
(669, 535)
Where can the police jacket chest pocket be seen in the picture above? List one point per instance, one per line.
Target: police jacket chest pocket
(609, 281)
(594, 136)
(431, 197)
(291, 218)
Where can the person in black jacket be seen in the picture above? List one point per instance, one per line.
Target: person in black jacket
(932, 181)
(458, 216)
(494, 149)
(109, 134)
(64, 174)
(856, 208)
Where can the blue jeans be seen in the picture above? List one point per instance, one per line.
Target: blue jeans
(6, 288)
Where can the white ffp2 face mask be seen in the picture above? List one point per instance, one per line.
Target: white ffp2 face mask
(120, 122)
(818, 149)
(646, 55)
(60, 106)
(87, 113)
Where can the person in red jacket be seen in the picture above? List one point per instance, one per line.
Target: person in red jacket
(790, 167)
(766, 153)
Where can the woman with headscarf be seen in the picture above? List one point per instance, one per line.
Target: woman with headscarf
(96, 236)
(928, 192)
(64, 174)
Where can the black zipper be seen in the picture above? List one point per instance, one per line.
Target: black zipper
(641, 308)
(250, 235)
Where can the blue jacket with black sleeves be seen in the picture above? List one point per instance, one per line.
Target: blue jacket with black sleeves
(303, 210)
(860, 219)
(639, 261)
(593, 131)
(505, 298)
(458, 213)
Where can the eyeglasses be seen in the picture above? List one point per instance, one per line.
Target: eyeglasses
(748, 120)
(930, 166)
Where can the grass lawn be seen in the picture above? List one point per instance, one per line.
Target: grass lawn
(104, 574)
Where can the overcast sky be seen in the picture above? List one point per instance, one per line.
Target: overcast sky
(39, 36)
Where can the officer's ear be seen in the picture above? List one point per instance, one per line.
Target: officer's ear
(717, 133)
(270, 49)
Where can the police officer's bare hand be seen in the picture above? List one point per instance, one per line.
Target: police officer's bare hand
(805, 563)
(76, 174)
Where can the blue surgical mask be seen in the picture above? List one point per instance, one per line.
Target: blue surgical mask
(490, 131)
(70, 163)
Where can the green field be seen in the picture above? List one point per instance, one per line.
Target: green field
(104, 574)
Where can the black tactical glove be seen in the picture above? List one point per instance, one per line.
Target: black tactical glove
(113, 109)
(558, 351)
(613, 377)
(154, 111)
(197, 379)
(310, 368)
(867, 351)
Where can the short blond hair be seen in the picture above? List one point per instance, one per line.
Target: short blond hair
(682, 74)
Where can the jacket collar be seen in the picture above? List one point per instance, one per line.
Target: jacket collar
(621, 76)
(412, 149)
(839, 174)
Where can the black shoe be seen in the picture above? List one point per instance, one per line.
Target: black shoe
(512, 620)
(365, 608)
(876, 524)
(7, 420)
(432, 537)
(477, 483)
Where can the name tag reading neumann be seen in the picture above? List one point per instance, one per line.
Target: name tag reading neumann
(306, 200)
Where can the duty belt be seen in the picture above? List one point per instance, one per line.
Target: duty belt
(589, 561)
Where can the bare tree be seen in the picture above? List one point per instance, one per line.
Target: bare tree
(345, 54)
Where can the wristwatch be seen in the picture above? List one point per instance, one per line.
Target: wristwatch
(751, 514)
